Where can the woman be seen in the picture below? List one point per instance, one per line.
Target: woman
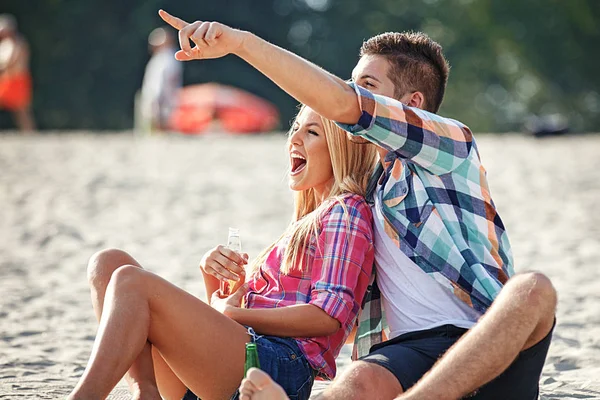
(303, 292)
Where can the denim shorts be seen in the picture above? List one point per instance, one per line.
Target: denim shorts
(411, 355)
(283, 360)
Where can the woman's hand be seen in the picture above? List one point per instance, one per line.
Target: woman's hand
(224, 264)
(224, 304)
(212, 39)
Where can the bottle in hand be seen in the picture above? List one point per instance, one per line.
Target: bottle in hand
(233, 243)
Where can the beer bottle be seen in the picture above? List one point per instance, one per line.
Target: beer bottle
(234, 243)
(251, 357)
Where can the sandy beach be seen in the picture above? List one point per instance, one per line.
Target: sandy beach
(166, 200)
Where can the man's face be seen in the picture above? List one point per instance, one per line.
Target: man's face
(371, 72)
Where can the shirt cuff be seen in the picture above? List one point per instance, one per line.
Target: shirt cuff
(332, 304)
(368, 107)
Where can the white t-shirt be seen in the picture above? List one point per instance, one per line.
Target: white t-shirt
(412, 300)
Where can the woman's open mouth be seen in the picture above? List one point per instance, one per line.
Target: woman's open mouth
(298, 163)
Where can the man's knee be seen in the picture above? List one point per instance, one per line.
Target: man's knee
(538, 301)
(536, 289)
(364, 380)
(103, 263)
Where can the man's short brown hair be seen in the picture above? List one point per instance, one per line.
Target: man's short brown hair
(416, 64)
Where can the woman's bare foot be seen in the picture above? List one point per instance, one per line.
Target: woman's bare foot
(148, 394)
(137, 393)
(259, 386)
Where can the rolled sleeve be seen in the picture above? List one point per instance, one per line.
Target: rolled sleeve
(368, 107)
(435, 143)
(343, 261)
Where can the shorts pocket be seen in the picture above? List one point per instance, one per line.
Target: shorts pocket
(304, 390)
(287, 365)
(289, 351)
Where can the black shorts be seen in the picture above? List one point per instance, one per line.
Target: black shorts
(411, 355)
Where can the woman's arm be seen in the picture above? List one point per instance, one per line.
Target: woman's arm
(340, 273)
(300, 320)
(339, 276)
(343, 261)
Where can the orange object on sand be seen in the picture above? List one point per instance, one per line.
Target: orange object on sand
(237, 110)
(15, 91)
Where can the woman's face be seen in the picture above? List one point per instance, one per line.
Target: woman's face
(310, 163)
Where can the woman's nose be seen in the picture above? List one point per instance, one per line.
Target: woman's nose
(296, 138)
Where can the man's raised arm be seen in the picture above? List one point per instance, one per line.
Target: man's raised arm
(325, 93)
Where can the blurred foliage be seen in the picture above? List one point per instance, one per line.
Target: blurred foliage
(510, 59)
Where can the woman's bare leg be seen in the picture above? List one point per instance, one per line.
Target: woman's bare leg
(169, 385)
(149, 370)
(203, 347)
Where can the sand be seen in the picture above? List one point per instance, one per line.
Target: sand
(166, 200)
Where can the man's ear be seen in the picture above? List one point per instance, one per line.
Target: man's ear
(416, 100)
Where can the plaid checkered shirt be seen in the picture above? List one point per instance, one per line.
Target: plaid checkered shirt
(436, 206)
(335, 276)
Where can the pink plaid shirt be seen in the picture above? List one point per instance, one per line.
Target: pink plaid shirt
(335, 278)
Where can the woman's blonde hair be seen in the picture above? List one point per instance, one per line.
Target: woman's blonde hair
(352, 165)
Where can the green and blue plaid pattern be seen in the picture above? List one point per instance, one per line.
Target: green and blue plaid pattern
(436, 206)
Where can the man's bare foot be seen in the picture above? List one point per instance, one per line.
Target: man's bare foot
(259, 386)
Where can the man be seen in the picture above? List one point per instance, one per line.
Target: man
(162, 81)
(15, 79)
(442, 253)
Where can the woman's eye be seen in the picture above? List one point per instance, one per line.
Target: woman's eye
(313, 132)
(369, 84)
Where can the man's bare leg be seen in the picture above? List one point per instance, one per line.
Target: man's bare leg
(362, 380)
(521, 316)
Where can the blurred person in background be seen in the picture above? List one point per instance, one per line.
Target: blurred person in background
(15, 79)
(162, 80)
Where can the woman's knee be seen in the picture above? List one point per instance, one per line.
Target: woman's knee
(127, 278)
(103, 263)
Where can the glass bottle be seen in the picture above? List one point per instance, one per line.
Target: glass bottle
(251, 358)
(233, 243)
